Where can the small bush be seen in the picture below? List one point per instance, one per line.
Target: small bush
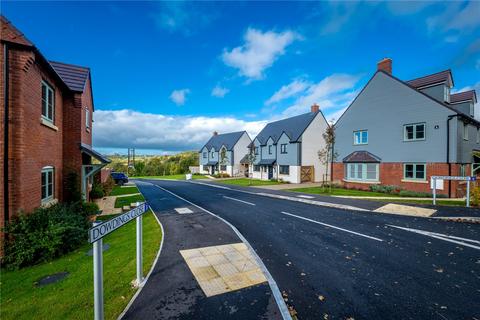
(475, 196)
(385, 188)
(108, 186)
(97, 191)
(44, 234)
(221, 175)
(90, 208)
(414, 194)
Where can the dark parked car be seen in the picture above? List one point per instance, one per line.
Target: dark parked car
(119, 177)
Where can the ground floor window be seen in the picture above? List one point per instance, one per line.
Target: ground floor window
(463, 170)
(284, 169)
(361, 171)
(256, 168)
(47, 183)
(414, 171)
(223, 167)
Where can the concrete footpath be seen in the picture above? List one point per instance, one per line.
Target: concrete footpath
(204, 270)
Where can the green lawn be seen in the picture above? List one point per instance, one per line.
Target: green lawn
(247, 182)
(117, 190)
(126, 201)
(342, 192)
(172, 177)
(72, 298)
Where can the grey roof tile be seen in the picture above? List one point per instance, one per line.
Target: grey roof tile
(75, 77)
(226, 139)
(463, 96)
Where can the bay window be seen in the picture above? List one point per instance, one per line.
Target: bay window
(367, 172)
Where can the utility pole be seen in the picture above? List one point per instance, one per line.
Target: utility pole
(130, 158)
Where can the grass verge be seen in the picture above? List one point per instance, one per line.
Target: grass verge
(452, 203)
(117, 190)
(172, 177)
(341, 192)
(126, 201)
(72, 298)
(249, 182)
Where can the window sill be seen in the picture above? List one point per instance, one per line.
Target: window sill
(360, 181)
(49, 203)
(48, 124)
(414, 181)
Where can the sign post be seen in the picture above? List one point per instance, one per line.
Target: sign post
(96, 234)
(456, 178)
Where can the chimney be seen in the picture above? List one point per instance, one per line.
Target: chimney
(215, 133)
(314, 108)
(385, 64)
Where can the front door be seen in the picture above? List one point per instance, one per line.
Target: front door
(270, 172)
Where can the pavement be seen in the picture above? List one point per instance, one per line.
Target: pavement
(289, 186)
(332, 262)
(172, 291)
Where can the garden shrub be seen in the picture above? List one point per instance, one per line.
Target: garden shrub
(414, 194)
(475, 196)
(44, 234)
(90, 208)
(390, 189)
(97, 191)
(108, 186)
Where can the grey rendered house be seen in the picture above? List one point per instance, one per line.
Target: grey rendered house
(223, 153)
(402, 132)
(288, 149)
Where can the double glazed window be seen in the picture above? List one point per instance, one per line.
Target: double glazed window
(223, 167)
(270, 149)
(256, 150)
(360, 137)
(465, 131)
(256, 168)
(414, 171)
(361, 171)
(283, 148)
(204, 155)
(47, 184)
(414, 132)
(87, 118)
(48, 102)
(284, 170)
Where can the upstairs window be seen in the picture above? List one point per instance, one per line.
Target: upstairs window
(204, 155)
(465, 131)
(270, 149)
(283, 148)
(414, 132)
(360, 137)
(256, 150)
(446, 94)
(472, 110)
(414, 171)
(87, 118)
(47, 184)
(48, 102)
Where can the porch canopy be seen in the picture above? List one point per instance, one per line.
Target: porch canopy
(89, 169)
(212, 163)
(362, 157)
(266, 162)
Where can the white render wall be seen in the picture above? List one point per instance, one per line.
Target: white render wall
(241, 148)
(293, 176)
(312, 142)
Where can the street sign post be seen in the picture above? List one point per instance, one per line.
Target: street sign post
(454, 178)
(96, 234)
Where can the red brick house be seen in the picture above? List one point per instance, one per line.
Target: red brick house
(46, 127)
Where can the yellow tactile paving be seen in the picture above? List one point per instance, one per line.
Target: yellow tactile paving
(220, 269)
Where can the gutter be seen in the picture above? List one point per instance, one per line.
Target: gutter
(6, 94)
(448, 154)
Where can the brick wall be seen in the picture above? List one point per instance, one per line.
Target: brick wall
(392, 174)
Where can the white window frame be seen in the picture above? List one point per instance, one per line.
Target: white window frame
(472, 110)
(204, 154)
(270, 149)
(359, 141)
(87, 118)
(463, 170)
(283, 173)
(478, 135)
(355, 166)
(49, 196)
(283, 148)
(415, 171)
(465, 131)
(48, 90)
(446, 94)
(414, 125)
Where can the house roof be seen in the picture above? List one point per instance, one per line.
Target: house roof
(436, 78)
(361, 156)
(226, 139)
(266, 162)
(75, 77)
(12, 34)
(469, 95)
(244, 160)
(95, 154)
(293, 127)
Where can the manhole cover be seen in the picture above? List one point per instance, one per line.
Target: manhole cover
(106, 246)
(53, 278)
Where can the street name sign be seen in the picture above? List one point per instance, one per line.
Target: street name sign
(99, 231)
(468, 178)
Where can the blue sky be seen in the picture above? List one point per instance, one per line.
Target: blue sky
(169, 73)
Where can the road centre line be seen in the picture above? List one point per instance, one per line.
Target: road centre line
(282, 306)
(440, 236)
(333, 227)
(246, 202)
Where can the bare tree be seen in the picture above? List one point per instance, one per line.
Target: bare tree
(223, 158)
(327, 155)
(251, 158)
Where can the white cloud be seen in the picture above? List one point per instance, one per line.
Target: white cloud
(259, 51)
(332, 94)
(179, 96)
(219, 91)
(162, 132)
(288, 91)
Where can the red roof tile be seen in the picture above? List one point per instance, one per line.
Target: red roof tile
(435, 78)
(463, 96)
(74, 76)
(361, 156)
(8, 32)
